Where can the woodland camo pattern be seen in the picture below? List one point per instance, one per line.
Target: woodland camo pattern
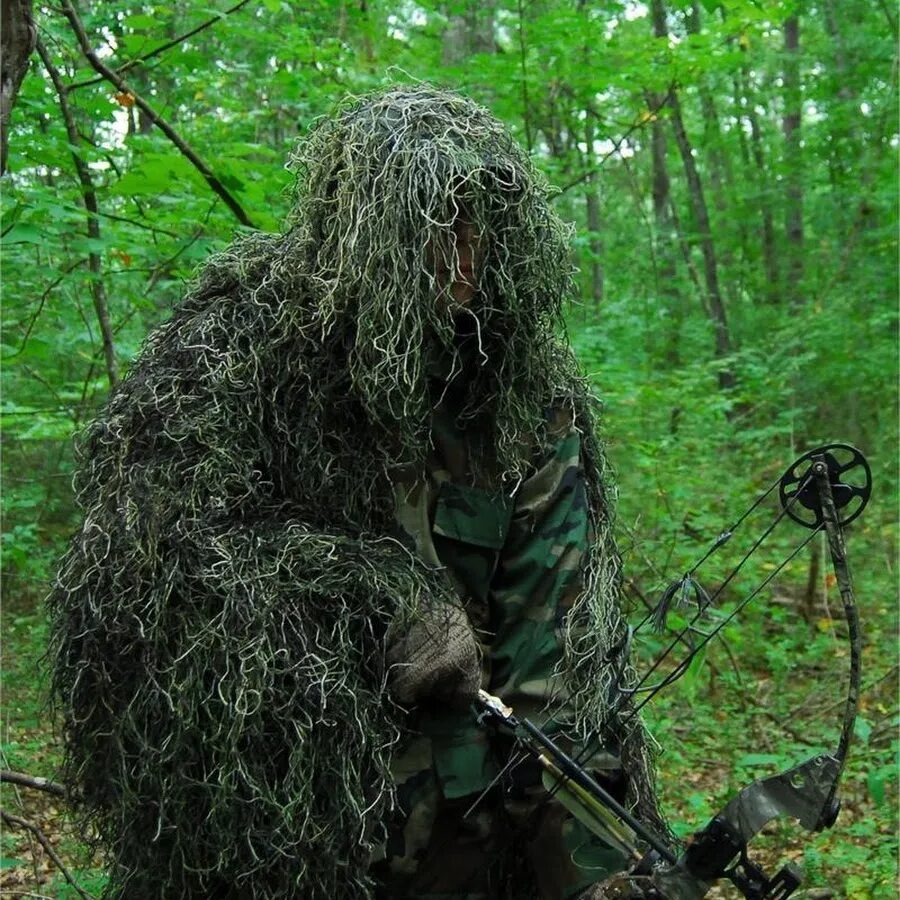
(515, 562)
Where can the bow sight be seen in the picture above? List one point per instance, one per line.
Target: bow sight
(823, 490)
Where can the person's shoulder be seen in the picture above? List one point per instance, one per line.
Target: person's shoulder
(560, 419)
(238, 293)
(571, 419)
(241, 271)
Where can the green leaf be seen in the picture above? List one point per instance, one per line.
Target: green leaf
(691, 677)
(7, 863)
(156, 174)
(23, 233)
(862, 729)
(139, 22)
(139, 44)
(232, 182)
(875, 781)
(758, 759)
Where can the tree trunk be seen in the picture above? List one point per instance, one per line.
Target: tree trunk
(793, 210)
(763, 194)
(92, 209)
(469, 31)
(719, 164)
(841, 64)
(594, 215)
(594, 223)
(665, 236)
(707, 247)
(715, 305)
(17, 38)
(813, 574)
(368, 45)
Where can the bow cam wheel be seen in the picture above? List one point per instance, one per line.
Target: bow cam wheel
(850, 478)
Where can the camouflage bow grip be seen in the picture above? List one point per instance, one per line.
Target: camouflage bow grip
(719, 850)
(599, 810)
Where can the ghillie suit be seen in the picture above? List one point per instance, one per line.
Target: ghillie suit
(218, 622)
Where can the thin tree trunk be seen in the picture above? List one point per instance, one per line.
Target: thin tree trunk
(841, 64)
(89, 198)
(763, 195)
(707, 247)
(470, 30)
(770, 252)
(594, 216)
(594, 223)
(665, 236)
(847, 146)
(368, 46)
(720, 174)
(715, 305)
(17, 40)
(793, 211)
(593, 211)
(686, 256)
(808, 607)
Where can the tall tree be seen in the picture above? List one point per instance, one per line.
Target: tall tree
(470, 30)
(793, 205)
(715, 305)
(17, 39)
(760, 178)
(665, 232)
(92, 210)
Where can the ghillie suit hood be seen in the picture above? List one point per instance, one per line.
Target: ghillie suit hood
(218, 621)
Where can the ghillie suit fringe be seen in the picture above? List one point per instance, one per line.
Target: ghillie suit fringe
(218, 621)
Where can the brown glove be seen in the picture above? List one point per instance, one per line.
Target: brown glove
(437, 656)
(622, 886)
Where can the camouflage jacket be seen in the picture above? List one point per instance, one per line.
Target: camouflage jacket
(515, 561)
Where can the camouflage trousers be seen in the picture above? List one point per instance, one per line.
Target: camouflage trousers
(518, 842)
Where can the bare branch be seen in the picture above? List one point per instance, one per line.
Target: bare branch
(89, 197)
(32, 781)
(642, 122)
(122, 86)
(138, 224)
(17, 822)
(17, 37)
(158, 50)
(526, 119)
(33, 321)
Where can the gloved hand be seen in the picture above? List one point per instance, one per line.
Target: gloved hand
(437, 656)
(622, 886)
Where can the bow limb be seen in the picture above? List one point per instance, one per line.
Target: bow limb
(838, 551)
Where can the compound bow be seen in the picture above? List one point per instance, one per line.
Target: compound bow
(823, 490)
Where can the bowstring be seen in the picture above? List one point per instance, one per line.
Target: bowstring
(720, 541)
(673, 676)
(518, 756)
(628, 694)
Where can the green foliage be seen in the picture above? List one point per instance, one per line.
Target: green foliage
(583, 86)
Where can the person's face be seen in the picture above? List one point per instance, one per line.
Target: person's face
(458, 274)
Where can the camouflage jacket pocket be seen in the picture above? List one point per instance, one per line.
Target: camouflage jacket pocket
(472, 516)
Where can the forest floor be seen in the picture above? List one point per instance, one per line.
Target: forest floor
(715, 744)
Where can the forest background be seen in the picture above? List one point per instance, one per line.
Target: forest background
(730, 170)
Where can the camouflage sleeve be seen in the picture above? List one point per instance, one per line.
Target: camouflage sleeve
(538, 576)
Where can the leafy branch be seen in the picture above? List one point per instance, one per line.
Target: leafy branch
(12, 821)
(89, 198)
(162, 49)
(122, 86)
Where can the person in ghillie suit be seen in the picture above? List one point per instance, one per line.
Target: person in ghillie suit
(353, 478)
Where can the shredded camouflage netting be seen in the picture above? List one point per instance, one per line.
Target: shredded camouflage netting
(218, 621)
